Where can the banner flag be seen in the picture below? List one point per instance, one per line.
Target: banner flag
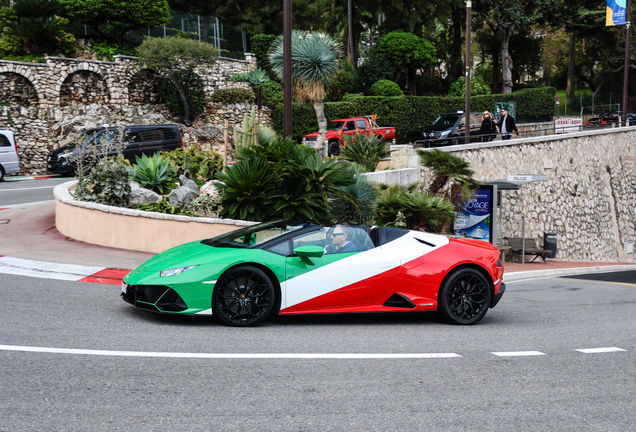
(615, 14)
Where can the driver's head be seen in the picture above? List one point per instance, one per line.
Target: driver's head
(339, 235)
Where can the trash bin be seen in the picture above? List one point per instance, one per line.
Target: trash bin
(550, 243)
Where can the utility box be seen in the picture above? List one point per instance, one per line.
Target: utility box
(550, 243)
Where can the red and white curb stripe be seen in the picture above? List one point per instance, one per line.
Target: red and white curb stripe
(68, 272)
(29, 178)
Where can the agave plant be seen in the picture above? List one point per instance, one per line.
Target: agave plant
(154, 173)
(257, 76)
(366, 195)
(364, 150)
(314, 65)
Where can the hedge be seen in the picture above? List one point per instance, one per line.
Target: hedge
(410, 115)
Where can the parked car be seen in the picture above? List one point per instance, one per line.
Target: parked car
(9, 160)
(350, 126)
(295, 267)
(450, 129)
(138, 140)
(607, 118)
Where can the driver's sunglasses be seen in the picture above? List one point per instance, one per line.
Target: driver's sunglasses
(336, 234)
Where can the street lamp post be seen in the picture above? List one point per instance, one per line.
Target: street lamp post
(626, 71)
(287, 68)
(468, 64)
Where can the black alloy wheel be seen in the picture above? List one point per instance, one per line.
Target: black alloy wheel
(334, 148)
(464, 297)
(243, 297)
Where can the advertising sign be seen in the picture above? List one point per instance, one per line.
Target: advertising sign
(615, 12)
(476, 217)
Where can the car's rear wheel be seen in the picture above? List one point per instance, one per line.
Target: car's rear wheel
(464, 297)
(243, 297)
(334, 148)
(1, 174)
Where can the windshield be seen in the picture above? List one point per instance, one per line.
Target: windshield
(446, 120)
(336, 125)
(255, 234)
(84, 136)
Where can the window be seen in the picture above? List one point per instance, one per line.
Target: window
(362, 124)
(283, 248)
(336, 239)
(351, 125)
(4, 141)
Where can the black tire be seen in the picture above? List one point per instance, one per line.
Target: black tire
(243, 297)
(334, 148)
(464, 298)
(1, 174)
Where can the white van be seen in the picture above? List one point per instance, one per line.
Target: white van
(9, 161)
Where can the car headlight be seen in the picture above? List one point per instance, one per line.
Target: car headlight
(304, 139)
(176, 271)
(444, 134)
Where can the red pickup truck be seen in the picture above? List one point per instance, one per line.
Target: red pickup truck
(350, 126)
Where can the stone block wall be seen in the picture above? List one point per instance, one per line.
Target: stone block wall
(589, 199)
(65, 81)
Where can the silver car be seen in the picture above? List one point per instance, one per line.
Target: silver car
(9, 160)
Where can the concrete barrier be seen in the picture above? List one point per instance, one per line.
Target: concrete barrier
(401, 177)
(131, 229)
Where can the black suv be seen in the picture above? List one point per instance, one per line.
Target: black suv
(138, 139)
(449, 129)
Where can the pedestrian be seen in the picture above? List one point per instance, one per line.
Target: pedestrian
(488, 128)
(632, 119)
(507, 125)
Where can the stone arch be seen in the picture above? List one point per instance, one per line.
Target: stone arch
(16, 89)
(143, 88)
(84, 87)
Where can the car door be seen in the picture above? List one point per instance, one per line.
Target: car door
(349, 128)
(8, 156)
(337, 280)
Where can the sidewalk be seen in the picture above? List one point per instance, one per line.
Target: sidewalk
(28, 232)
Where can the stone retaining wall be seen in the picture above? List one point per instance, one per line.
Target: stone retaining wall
(66, 81)
(589, 199)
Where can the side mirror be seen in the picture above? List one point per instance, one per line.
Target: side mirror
(305, 253)
(462, 124)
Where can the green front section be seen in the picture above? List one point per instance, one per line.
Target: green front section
(211, 264)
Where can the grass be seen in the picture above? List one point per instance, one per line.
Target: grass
(562, 100)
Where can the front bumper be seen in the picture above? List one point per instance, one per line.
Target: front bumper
(156, 298)
(496, 298)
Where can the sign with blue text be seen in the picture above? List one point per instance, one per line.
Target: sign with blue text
(475, 219)
(615, 12)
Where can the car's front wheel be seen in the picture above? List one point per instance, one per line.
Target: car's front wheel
(464, 298)
(243, 297)
(334, 148)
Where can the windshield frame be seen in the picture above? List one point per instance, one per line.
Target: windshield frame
(227, 240)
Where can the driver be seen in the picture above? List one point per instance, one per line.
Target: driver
(341, 240)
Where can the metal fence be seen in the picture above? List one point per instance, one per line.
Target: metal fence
(229, 40)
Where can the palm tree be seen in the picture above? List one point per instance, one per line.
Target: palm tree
(444, 167)
(314, 64)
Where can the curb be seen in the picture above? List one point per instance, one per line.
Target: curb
(537, 274)
(10, 179)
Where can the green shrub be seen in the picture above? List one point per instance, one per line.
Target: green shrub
(272, 93)
(345, 81)
(111, 183)
(164, 206)
(373, 70)
(198, 165)
(233, 96)
(154, 173)
(414, 209)
(206, 205)
(364, 150)
(194, 90)
(477, 87)
(260, 44)
(385, 88)
(239, 78)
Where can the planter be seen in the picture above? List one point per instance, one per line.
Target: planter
(132, 229)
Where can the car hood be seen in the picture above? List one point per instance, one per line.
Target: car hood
(63, 149)
(438, 128)
(193, 253)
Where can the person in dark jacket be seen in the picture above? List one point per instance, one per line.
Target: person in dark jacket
(488, 128)
(341, 241)
(507, 125)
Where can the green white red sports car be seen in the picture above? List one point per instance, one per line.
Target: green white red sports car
(290, 267)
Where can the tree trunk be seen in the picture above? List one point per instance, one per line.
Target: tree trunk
(547, 64)
(438, 183)
(506, 60)
(319, 107)
(205, 28)
(184, 100)
(412, 86)
(332, 26)
(456, 64)
(495, 66)
(350, 29)
(569, 91)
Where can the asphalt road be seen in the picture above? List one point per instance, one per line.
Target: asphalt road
(13, 193)
(546, 386)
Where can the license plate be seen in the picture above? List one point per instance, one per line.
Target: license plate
(124, 287)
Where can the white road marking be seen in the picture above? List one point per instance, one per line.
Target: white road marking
(518, 353)
(47, 270)
(26, 189)
(226, 355)
(599, 350)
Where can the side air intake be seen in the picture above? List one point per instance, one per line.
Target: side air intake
(399, 301)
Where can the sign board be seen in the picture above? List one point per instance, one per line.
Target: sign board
(476, 219)
(527, 178)
(567, 124)
(615, 12)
